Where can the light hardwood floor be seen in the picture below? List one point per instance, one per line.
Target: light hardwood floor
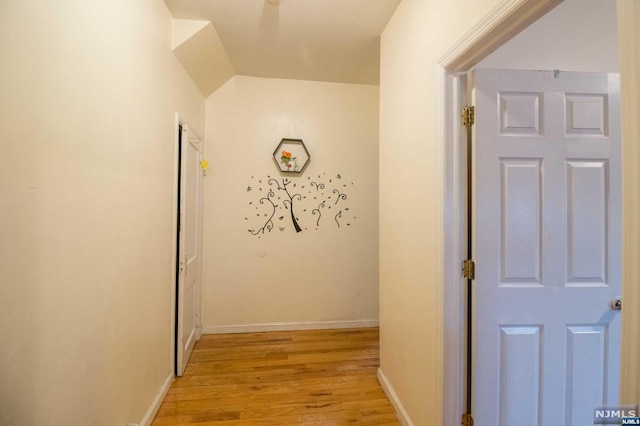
(310, 378)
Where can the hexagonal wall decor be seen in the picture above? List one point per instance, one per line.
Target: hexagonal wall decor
(291, 156)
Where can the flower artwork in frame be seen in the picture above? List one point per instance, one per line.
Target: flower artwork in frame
(291, 156)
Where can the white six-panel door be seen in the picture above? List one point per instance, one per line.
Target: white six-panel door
(547, 246)
(189, 245)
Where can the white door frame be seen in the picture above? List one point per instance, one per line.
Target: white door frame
(506, 20)
(174, 242)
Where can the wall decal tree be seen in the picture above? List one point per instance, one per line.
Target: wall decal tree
(309, 199)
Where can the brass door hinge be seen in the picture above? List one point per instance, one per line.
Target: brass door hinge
(468, 116)
(467, 420)
(468, 269)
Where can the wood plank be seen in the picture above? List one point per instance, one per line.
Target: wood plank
(312, 378)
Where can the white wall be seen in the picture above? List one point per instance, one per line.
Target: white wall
(88, 96)
(578, 35)
(412, 199)
(317, 275)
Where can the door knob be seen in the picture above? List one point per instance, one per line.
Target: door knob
(616, 304)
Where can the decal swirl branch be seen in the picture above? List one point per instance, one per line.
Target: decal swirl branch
(318, 186)
(340, 196)
(269, 223)
(321, 206)
(338, 216)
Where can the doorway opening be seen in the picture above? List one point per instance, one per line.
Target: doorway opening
(176, 231)
(501, 26)
(187, 245)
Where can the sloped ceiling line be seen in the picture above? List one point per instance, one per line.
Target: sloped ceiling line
(199, 49)
(319, 40)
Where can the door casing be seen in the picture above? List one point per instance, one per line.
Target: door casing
(505, 21)
(179, 120)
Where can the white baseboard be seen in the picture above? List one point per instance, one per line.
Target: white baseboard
(393, 398)
(157, 401)
(288, 326)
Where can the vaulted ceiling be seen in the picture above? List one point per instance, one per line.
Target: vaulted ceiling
(322, 40)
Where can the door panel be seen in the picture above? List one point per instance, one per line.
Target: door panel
(521, 225)
(586, 359)
(189, 248)
(587, 222)
(520, 350)
(547, 246)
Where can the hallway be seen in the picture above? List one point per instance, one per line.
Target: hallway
(92, 97)
(312, 378)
